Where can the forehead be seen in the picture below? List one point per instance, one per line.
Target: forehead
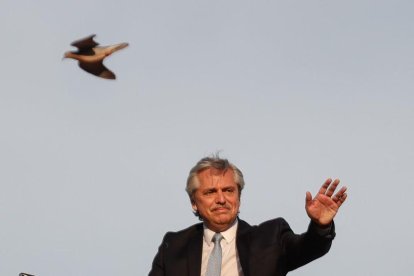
(213, 176)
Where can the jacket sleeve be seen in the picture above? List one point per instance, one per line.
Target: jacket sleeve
(302, 249)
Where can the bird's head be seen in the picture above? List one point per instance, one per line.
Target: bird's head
(67, 55)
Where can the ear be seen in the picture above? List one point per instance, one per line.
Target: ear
(194, 206)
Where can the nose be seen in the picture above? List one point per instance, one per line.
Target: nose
(220, 199)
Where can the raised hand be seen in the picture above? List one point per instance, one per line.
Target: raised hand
(323, 208)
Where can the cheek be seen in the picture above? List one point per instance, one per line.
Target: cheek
(236, 204)
(201, 204)
(234, 200)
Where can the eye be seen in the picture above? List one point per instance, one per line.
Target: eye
(209, 192)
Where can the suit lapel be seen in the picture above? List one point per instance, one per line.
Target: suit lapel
(242, 244)
(194, 253)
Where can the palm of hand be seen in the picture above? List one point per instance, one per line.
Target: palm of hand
(323, 208)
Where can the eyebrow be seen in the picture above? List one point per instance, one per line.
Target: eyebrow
(226, 187)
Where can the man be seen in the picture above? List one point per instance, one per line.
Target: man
(228, 246)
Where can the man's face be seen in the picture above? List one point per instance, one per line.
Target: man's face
(217, 199)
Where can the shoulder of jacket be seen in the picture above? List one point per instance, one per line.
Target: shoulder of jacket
(187, 231)
(276, 221)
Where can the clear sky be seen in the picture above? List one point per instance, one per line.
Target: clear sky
(93, 171)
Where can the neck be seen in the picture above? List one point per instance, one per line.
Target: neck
(220, 228)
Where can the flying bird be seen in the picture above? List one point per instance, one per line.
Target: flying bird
(90, 56)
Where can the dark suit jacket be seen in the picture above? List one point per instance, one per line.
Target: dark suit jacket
(269, 249)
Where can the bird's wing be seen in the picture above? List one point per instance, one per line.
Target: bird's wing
(117, 47)
(85, 43)
(97, 69)
(109, 50)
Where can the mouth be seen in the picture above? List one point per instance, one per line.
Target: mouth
(221, 209)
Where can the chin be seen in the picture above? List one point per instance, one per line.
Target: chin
(225, 219)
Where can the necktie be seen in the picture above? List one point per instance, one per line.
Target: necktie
(214, 262)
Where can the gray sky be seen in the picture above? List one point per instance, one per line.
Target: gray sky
(292, 92)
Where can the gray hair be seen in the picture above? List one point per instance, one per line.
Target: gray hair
(212, 162)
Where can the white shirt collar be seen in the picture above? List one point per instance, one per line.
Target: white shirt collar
(229, 235)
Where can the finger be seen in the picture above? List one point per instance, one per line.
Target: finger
(332, 187)
(342, 199)
(325, 186)
(339, 194)
(308, 198)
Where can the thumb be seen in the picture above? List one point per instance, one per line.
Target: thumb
(308, 198)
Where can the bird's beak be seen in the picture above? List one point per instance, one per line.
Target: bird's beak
(65, 55)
